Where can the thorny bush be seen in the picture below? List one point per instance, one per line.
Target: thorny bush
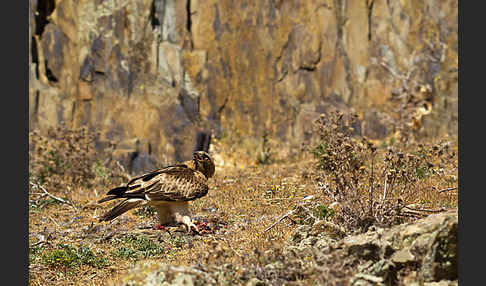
(66, 156)
(371, 185)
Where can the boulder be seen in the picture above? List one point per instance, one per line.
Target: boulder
(419, 253)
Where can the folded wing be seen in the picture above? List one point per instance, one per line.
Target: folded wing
(172, 183)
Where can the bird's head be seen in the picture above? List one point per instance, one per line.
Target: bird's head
(204, 163)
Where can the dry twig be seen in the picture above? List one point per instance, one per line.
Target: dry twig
(279, 220)
(448, 189)
(54, 221)
(426, 210)
(52, 196)
(412, 214)
(230, 247)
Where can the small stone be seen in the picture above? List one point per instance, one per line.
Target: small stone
(183, 279)
(255, 282)
(361, 279)
(402, 256)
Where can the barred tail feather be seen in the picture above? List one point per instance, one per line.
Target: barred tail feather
(121, 208)
(118, 191)
(115, 193)
(108, 198)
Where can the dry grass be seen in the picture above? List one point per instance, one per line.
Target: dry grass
(245, 199)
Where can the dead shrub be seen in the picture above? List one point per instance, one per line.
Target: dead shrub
(371, 185)
(67, 157)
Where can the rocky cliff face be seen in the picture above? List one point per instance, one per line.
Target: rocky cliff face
(151, 73)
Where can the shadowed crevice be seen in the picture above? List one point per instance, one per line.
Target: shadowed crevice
(50, 76)
(369, 5)
(154, 20)
(43, 10)
(203, 140)
(35, 56)
(189, 20)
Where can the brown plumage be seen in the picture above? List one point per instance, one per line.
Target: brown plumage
(168, 190)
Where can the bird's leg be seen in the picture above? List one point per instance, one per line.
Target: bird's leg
(163, 215)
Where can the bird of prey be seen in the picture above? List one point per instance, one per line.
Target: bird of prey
(168, 190)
